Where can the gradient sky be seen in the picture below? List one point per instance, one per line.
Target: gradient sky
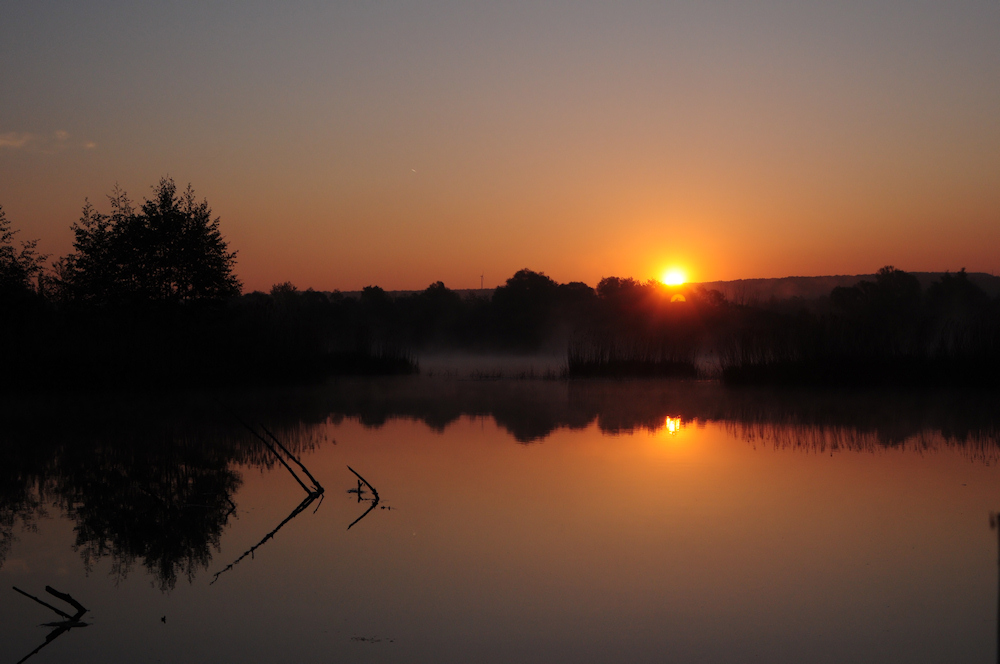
(354, 143)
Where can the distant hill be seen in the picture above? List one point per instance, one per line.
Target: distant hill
(747, 291)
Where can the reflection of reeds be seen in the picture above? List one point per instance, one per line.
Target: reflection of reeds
(819, 439)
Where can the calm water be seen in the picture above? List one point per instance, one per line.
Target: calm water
(517, 521)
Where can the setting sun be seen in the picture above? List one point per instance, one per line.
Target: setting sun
(674, 277)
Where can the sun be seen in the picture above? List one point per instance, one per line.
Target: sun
(674, 277)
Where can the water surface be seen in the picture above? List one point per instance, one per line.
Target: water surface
(517, 521)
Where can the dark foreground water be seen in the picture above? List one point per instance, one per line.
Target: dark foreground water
(528, 521)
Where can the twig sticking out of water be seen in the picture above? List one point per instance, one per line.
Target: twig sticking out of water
(374, 500)
(374, 492)
(45, 604)
(66, 597)
(317, 487)
(320, 503)
(62, 626)
(284, 463)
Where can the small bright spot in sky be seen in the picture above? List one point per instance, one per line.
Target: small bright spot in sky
(674, 277)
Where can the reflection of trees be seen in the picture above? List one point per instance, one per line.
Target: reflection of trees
(21, 495)
(533, 409)
(822, 439)
(166, 507)
(153, 489)
(23, 508)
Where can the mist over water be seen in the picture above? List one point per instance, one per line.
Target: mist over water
(501, 520)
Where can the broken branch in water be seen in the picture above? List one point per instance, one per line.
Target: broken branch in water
(61, 627)
(45, 604)
(317, 487)
(275, 452)
(66, 597)
(374, 492)
(374, 500)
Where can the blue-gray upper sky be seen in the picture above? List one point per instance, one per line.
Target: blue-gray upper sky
(345, 144)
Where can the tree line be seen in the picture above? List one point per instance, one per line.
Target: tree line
(149, 295)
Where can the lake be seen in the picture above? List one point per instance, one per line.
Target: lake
(516, 520)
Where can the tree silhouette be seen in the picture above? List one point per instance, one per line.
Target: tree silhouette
(170, 250)
(523, 308)
(894, 292)
(953, 298)
(17, 268)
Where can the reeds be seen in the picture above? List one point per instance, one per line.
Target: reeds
(610, 359)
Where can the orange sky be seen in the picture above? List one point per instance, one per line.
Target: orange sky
(399, 144)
